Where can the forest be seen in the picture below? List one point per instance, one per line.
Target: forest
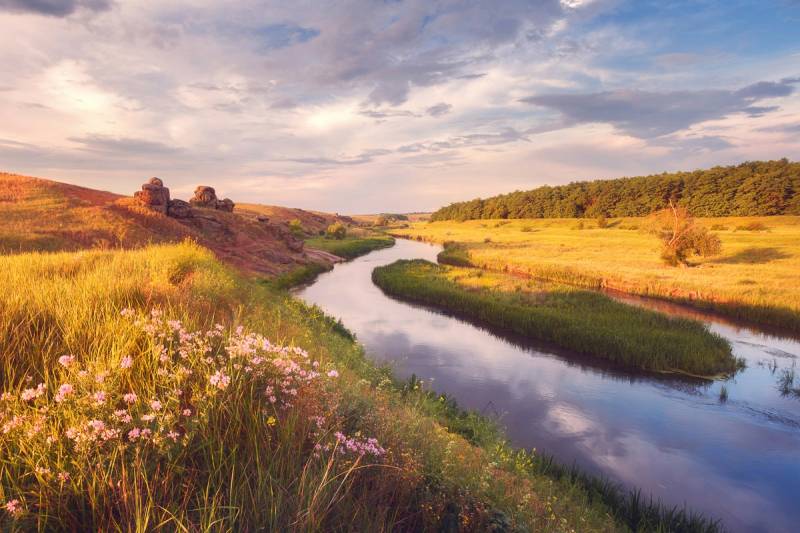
(756, 188)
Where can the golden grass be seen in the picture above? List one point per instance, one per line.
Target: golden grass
(241, 464)
(757, 276)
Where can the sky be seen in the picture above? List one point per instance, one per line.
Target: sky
(365, 106)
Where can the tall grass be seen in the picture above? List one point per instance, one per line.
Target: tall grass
(582, 321)
(212, 349)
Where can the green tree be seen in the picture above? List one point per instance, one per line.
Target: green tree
(337, 230)
(680, 237)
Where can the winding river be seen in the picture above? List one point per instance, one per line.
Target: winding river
(737, 460)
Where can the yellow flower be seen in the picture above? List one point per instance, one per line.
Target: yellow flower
(271, 421)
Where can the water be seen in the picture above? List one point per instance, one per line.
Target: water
(737, 460)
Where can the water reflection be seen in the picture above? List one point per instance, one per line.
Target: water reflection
(672, 437)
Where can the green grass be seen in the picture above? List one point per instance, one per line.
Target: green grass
(298, 276)
(350, 247)
(238, 461)
(581, 321)
(755, 279)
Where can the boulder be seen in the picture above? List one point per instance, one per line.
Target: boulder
(179, 209)
(204, 196)
(225, 205)
(154, 196)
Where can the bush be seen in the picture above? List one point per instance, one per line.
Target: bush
(337, 230)
(602, 222)
(296, 227)
(681, 237)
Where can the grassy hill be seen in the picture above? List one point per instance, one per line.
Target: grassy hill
(44, 215)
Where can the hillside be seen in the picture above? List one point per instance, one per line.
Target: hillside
(44, 215)
(758, 188)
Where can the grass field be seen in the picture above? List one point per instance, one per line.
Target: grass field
(126, 407)
(582, 321)
(756, 278)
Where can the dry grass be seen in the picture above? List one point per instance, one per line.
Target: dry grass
(757, 277)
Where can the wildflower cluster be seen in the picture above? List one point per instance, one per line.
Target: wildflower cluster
(92, 416)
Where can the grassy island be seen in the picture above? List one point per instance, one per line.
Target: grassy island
(582, 321)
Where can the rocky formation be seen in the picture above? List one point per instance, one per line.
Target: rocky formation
(205, 196)
(154, 195)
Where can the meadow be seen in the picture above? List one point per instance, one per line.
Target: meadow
(580, 321)
(159, 388)
(756, 278)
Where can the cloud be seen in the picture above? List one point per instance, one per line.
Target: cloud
(647, 114)
(107, 145)
(53, 8)
(439, 109)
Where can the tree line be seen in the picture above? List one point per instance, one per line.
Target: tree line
(754, 188)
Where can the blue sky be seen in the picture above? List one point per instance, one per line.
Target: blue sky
(366, 106)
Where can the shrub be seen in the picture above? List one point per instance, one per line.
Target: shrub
(337, 230)
(602, 222)
(719, 227)
(681, 237)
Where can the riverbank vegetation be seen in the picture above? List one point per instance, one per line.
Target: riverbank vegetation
(756, 278)
(158, 388)
(581, 321)
(756, 188)
(351, 246)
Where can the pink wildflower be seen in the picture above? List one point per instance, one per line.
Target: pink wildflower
(126, 362)
(155, 405)
(134, 434)
(99, 397)
(66, 360)
(333, 374)
(63, 391)
(14, 508)
(63, 477)
(130, 398)
(30, 394)
(187, 412)
(220, 380)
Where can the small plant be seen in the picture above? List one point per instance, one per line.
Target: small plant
(296, 228)
(602, 222)
(526, 229)
(723, 394)
(719, 227)
(487, 240)
(337, 231)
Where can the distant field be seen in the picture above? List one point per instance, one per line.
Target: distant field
(757, 276)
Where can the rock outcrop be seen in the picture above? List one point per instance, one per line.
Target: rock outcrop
(205, 196)
(154, 195)
(179, 209)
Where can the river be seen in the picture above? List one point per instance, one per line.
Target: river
(736, 460)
